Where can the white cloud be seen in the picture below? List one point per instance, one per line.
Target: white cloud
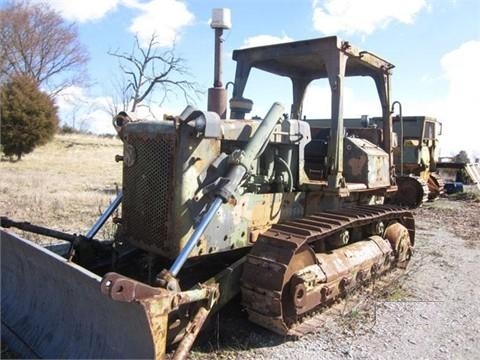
(84, 112)
(83, 10)
(154, 112)
(68, 96)
(164, 18)
(98, 122)
(260, 40)
(460, 114)
(460, 67)
(317, 102)
(364, 17)
(458, 110)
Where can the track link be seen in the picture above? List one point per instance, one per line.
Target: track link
(413, 191)
(286, 262)
(436, 187)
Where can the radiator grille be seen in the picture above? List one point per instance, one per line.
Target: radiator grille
(148, 191)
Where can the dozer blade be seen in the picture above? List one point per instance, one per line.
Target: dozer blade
(52, 308)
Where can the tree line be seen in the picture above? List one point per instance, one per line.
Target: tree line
(41, 55)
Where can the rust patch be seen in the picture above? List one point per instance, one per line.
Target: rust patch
(356, 165)
(158, 303)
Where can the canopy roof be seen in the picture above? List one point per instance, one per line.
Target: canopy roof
(308, 58)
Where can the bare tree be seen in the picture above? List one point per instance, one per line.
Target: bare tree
(78, 109)
(35, 41)
(462, 157)
(148, 69)
(120, 97)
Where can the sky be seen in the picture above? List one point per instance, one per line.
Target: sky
(434, 45)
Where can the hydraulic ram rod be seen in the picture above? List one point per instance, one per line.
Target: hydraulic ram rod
(235, 177)
(187, 249)
(104, 217)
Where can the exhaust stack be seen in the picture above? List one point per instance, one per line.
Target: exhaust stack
(217, 95)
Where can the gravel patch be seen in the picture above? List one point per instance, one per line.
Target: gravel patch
(432, 311)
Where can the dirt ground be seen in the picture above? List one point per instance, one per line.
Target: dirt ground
(432, 311)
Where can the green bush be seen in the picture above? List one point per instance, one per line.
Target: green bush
(67, 129)
(28, 116)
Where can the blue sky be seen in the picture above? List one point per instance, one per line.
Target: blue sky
(434, 44)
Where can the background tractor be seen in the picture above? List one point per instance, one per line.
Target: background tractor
(417, 157)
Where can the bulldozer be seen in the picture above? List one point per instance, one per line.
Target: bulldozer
(418, 157)
(415, 154)
(289, 216)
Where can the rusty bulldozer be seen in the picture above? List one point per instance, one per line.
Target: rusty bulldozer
(415, 157)
(290, 216)
(418, 157)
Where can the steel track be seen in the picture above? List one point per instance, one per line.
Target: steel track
(288, 247)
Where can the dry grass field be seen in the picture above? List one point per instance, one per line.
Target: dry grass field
(67, 183)
(63, 185)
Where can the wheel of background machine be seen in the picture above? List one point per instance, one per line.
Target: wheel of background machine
(412, 191)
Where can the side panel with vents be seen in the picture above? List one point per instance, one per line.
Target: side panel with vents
(148, 185)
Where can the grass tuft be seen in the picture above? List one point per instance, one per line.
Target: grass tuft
(397, 293)
(469, 195)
